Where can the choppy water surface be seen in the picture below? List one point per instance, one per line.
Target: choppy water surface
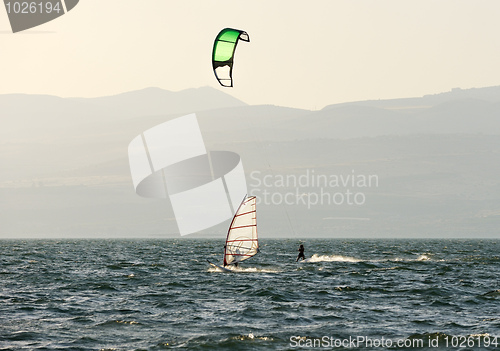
(154, 295)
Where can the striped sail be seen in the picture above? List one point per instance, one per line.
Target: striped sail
(241, 241)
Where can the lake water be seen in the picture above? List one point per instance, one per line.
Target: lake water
(162, 294)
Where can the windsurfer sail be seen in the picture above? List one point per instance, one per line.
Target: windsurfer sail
(242, 242)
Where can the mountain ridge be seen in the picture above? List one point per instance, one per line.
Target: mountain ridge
(65, 168)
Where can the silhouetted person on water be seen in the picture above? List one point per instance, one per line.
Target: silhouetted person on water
(301, 253)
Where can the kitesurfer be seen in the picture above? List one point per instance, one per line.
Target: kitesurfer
(301, 253)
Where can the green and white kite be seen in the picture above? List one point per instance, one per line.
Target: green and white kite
(223, 54)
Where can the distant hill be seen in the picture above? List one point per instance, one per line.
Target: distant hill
(36, 117)
(156, 101)
(65, 169)
(29, 116)
(489, 94)
(459, 116)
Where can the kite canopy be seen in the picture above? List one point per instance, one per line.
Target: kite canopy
(223, 54)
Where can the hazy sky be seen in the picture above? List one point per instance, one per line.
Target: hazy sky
(304, 54)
